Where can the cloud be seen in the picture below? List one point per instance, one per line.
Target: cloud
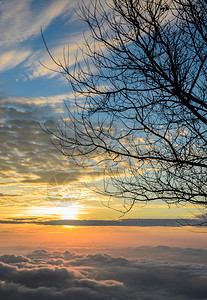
(127, 222)
(68, 275)
(12, 58)
(27, 155)
(13, 259)
(121, 222)
(25, 146)
(33, 173)
(40, 63)
(20, 22)
(54, 102)
(23, 19)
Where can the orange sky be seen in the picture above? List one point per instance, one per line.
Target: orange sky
(24, 237)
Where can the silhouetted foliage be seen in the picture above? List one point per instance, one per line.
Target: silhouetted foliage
(141, 107)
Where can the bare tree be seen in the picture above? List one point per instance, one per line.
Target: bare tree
(141, 107)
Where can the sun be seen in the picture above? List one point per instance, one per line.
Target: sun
(69, 213)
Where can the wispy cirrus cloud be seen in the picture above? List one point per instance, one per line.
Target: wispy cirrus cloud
(11, 59)
(40, 63)
(23, 19)
(21, 22)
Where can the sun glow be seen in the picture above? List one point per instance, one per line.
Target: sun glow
(69, 212)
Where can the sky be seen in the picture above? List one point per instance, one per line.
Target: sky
(44, 200)
(35, 179)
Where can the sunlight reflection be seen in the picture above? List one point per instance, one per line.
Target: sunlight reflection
(68, 226)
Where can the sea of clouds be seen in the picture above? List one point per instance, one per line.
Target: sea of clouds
(141, 273)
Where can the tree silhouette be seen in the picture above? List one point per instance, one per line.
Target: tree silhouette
(140, 106)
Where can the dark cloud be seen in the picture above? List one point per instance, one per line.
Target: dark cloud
(126, 222)
(120, 222)
(8, 195)
(13, 259)
(67, 275)
(164, 253)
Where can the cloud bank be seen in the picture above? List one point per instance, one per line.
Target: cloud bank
(119, 222)
(68, 275)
